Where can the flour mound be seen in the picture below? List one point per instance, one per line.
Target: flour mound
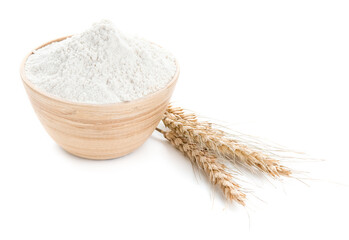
(101, 65)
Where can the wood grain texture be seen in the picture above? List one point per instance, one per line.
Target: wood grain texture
(98, 131)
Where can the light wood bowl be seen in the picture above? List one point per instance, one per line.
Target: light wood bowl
(98, 131)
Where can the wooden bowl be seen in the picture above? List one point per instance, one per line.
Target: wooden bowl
(98, 131)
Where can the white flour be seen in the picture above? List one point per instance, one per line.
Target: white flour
(101, 65)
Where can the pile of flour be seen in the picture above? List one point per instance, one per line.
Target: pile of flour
(101, 65)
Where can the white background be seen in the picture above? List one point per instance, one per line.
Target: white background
(275, 69)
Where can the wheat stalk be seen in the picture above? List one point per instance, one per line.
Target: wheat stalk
(216, 172)
(216, 141)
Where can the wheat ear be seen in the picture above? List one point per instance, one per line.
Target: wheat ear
(215, 140)
(216, 172)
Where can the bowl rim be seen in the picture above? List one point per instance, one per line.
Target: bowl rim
(62, 100)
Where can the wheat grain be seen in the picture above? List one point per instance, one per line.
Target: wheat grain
(215, 140)
(217, 172)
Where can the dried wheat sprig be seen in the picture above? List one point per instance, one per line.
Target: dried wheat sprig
(216, 172)
(216, 141)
